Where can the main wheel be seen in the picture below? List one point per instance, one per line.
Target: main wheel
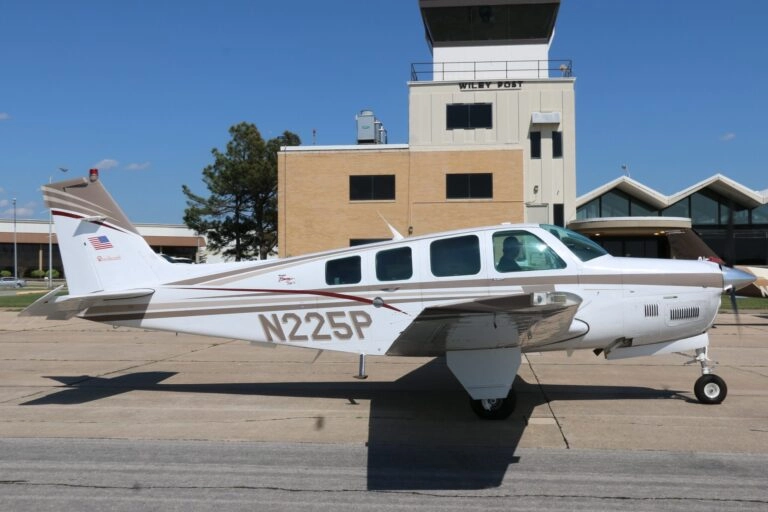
(710, 389)
(495, 408)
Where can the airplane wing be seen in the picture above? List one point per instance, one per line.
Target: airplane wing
(62, 307)
(525, 320)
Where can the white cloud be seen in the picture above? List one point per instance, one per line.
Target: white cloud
(137, 166)
(727, 137)
(105, 164)
(25, 212)
(4, 116)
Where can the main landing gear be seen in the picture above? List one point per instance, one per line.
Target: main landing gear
(495, 408)
(709, 388)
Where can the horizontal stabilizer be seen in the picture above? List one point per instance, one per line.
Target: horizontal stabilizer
(62, 307)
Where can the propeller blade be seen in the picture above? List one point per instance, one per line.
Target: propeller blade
(734, 304)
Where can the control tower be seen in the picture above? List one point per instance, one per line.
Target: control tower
(491, 139)
(492, 107)
(489, 38)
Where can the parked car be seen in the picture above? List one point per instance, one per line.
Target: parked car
(12, 282)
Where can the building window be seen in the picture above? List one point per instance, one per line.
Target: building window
(590, 210)
(343, 271)
(459, 256)
(704, 209)
(394, 264)
(760, 215)
(535, 145)
(469, 186)
(679, 209)
(468, 116)
(615, 204)
(557, 144)
(379, 187)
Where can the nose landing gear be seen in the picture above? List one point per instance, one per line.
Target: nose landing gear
(709, 388)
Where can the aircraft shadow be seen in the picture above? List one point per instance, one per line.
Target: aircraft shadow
(422, 433)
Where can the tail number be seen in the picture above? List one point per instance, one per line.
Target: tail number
(314, 326)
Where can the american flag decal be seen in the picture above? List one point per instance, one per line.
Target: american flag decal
(100, 242)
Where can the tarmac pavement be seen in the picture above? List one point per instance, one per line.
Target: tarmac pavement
(91, 415)
(78, 379)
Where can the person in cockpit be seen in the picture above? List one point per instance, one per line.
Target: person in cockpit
(511, 249)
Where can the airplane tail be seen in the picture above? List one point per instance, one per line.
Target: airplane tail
(100, 249)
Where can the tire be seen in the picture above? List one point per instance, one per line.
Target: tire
(495, 409)
(710, 389)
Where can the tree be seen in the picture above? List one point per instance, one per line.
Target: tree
(239, 217)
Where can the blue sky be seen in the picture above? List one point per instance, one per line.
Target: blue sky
(144, 90)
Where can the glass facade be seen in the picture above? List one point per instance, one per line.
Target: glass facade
(738, 234)
(615, 204)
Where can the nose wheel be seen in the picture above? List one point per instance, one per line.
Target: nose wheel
(709, 388)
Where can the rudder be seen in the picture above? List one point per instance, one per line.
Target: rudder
(100, 249)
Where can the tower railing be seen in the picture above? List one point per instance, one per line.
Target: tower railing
(481, 70)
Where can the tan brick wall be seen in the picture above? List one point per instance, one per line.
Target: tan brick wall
(315, 212)
(431, 211)
(314, 209)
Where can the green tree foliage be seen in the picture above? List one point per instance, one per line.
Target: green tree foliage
(239, 217)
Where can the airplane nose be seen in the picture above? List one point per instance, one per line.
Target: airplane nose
(736, 279)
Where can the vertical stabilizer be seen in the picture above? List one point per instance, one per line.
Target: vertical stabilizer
(100, 248)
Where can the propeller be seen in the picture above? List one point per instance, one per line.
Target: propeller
(735, 279)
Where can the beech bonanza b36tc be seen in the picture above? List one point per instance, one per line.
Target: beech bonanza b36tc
(479, 297)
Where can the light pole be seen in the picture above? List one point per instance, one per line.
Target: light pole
(50, 237)
(15, 254)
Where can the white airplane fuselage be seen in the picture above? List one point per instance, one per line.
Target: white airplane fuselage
(480, 297)
(289, 301)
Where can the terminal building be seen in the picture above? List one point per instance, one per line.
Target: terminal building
(491, 139)
(630, 219)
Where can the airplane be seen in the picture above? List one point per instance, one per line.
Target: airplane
(479, 297)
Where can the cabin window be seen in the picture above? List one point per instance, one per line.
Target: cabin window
(520, 251)
(378, 187)
(469, 186)
(343, 271)
(468, 116)
(394, 264)
(581, 246)
(458, 256)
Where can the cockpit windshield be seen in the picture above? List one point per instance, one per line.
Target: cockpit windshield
(584, 248)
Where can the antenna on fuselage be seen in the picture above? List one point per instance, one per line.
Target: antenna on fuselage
(395, 233)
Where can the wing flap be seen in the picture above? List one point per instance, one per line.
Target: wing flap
(524, 320)
(63, 307)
